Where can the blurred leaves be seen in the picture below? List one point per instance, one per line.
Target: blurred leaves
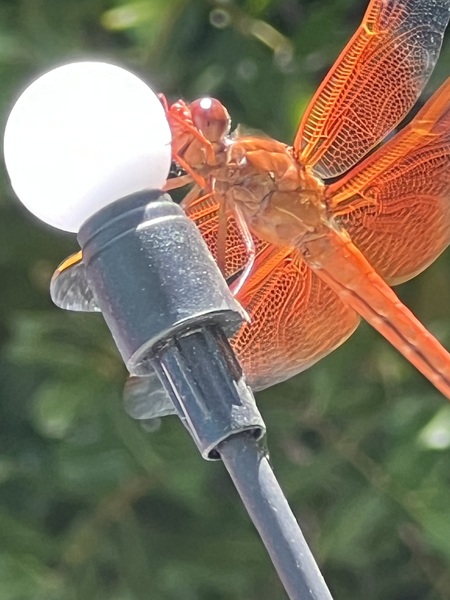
(94, 505)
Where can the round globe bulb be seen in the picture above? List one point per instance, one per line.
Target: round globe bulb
(83, 136)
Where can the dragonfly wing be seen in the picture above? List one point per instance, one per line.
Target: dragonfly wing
(205, 214)
(69, 288)
(295, 320)
(146, 398)
(373, 84)
(396, 204)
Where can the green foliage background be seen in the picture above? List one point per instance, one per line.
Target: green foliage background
(92, 505)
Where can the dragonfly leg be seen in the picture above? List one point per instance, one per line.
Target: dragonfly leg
(199, 180)
(249, 243)
(177, 182)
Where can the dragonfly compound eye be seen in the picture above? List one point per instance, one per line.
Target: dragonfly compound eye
(211, 118)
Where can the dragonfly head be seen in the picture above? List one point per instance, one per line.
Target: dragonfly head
(211, 118)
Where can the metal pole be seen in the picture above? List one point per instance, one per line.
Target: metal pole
(248, 465)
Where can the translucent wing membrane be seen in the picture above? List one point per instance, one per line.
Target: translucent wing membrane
(295, 320)
(205, 214)
(146, 398)
(69, 288)
(373, 84)
(396, 203)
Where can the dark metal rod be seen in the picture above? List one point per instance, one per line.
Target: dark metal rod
(247, 463)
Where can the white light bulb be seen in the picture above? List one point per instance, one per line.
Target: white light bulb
(83, 136)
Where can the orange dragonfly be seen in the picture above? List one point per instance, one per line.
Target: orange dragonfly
(305, 256)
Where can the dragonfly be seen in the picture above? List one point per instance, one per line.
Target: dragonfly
(311, 236)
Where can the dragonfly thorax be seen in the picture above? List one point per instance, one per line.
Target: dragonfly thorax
(280, 201)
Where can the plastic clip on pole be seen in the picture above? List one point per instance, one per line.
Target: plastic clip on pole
(169, 313)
